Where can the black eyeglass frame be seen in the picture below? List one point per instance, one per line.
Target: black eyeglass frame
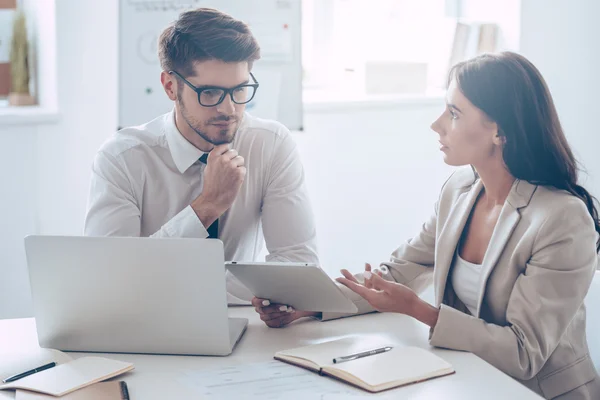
(226, 91)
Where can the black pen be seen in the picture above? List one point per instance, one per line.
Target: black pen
(361, 355)
(30, 372)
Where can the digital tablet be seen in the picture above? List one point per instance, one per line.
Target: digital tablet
(305, 287)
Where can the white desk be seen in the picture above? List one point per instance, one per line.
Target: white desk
(158, 377)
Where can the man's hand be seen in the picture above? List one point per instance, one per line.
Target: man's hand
(223, 177)
(278, 315)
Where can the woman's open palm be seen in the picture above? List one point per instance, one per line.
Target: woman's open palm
(382, 295)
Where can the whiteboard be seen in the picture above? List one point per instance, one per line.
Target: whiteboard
(274, 23)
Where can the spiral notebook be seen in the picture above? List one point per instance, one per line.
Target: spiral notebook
(397, 367)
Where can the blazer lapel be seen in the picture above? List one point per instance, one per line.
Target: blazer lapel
(519, 197)
(449, 236)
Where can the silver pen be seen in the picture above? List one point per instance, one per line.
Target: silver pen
(361, 355)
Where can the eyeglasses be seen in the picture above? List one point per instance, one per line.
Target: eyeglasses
(210, 96)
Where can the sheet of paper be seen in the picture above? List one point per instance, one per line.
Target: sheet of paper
(269, 381)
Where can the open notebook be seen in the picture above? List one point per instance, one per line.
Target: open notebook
(17, 361)
(71, 376)
(397, 367)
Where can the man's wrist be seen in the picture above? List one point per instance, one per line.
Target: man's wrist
(206, 211)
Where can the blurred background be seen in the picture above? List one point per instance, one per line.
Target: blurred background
(358, 82)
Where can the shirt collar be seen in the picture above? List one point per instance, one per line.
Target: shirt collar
(183, 152)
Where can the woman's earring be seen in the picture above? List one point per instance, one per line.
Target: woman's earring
(499, 139)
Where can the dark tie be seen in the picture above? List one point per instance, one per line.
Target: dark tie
(213, 229)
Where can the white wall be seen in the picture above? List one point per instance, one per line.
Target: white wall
(18, 175)
(561, 38)
(45, 169)
(363, 164)
(374, 176)
(87, 95)
(505, 13)
(364, 208)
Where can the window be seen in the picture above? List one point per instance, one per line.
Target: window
(373, 47)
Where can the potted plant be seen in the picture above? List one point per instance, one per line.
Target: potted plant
(19, 64)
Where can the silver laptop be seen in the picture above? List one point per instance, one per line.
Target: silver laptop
(131, 295)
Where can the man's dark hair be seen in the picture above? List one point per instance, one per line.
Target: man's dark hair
(205, 34)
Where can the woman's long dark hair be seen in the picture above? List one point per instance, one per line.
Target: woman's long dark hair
(512, 92)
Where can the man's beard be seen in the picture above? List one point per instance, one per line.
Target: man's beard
(223, 134)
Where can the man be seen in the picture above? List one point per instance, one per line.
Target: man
(207, 169)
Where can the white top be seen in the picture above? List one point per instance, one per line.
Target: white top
(466, 280)
(145, 177)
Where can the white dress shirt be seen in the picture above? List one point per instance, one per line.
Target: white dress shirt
(144, 179)
(466, 280)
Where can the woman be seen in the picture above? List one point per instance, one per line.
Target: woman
(513, 243)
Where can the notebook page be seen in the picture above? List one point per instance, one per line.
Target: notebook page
(401, 364)
(16, 362)
(323, 354)
(67, 377)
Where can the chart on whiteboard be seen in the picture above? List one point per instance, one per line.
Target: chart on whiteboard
(274, 23)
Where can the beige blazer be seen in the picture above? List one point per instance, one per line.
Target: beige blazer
(530, 320)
